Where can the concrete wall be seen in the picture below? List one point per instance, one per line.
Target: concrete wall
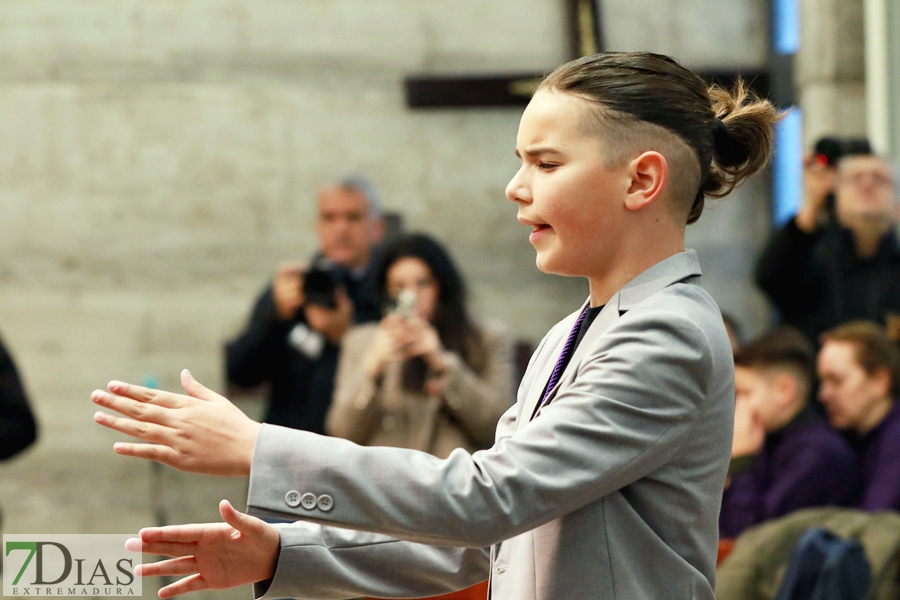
(159, 159)
(830, 69)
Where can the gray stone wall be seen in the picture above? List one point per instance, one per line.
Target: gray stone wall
(159, 159)
(830, 69)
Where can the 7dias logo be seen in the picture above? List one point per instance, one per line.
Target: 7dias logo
(69, 565)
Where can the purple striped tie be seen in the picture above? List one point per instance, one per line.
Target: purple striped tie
(563, 357)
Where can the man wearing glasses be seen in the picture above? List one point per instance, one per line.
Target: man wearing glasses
(825, 267)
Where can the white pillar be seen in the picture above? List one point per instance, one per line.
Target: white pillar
(877, 51)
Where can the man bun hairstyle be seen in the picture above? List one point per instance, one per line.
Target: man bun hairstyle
(643, 98)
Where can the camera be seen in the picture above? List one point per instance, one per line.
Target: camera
(829, 150)
(405, 304)
(321, 282)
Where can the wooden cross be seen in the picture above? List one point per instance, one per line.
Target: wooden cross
(515, 89)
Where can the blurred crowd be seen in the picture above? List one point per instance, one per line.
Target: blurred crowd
(372, 340)
(816, 445)
(815, 416)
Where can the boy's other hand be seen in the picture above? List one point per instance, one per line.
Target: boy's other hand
(214, 556)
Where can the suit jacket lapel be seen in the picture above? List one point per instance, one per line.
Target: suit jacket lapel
(678, 267)
(602, 322)
(551, 355)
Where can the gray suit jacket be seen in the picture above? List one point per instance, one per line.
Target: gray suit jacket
(611, 492)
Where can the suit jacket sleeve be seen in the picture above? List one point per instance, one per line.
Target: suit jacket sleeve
(634, 401)
(331, 563)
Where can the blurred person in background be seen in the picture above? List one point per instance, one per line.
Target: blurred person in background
(784, 455)
(734, 330)
(426, 376)
(292, 339)
(821, 271)
(18, 428)
(859, 373)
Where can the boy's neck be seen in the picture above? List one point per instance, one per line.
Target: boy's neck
(631, 262)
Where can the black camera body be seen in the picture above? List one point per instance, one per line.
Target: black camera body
(321, 281)
(829, 150)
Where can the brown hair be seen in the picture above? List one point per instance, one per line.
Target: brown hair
(874, 349)
(780, 347)
(649, 101)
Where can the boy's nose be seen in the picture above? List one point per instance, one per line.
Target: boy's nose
(516, 190)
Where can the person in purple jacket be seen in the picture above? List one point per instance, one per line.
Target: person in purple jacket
(784, 455)
(859, 369)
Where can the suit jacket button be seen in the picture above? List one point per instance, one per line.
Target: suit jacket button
(308, 501)
(292, 498)
(325, 503)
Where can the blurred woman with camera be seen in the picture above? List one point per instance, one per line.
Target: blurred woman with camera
(426, 376)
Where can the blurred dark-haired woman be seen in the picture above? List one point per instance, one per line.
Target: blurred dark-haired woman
(426, 376)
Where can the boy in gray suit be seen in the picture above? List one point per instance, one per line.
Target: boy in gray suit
(606, 476)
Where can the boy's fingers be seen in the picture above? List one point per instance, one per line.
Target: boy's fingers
(196, 389)
(136, 409)
(174, 549)
(162, 454)
(192, 583)
(133, 544)
(240, 521)
(184, 534)
(144, 394)
(185, 565)
(149, 432)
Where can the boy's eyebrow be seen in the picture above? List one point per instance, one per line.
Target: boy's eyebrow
(538, 150)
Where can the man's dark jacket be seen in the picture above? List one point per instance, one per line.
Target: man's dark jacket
(817, 281)
(268, 352)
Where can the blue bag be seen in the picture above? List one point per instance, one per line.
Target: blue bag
(824, 566)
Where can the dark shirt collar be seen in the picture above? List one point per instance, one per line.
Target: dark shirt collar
(892, 415)
(861, 441)
(806, 416)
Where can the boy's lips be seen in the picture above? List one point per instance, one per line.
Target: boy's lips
(539, 229)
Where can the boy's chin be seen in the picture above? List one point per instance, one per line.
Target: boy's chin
(545, 265)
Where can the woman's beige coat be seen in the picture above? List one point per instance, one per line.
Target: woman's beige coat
(381, 413)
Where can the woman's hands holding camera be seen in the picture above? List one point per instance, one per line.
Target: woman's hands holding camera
(401, 338)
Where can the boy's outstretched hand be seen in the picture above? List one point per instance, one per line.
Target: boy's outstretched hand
(201, 432)
(214, 556)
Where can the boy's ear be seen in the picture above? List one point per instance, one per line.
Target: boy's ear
(649, 172)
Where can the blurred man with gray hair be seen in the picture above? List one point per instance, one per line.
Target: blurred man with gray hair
(292, 339)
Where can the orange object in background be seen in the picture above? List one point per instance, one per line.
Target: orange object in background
(725, 547)
(476, 592)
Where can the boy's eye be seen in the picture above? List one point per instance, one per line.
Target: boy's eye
(545, 166)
